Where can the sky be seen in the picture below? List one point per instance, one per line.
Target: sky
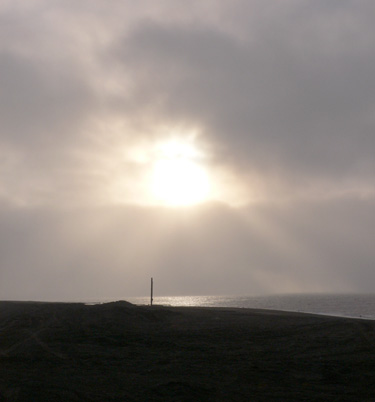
(222, 148)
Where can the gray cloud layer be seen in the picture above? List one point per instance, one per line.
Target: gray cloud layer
(287, 99)
(283, 95)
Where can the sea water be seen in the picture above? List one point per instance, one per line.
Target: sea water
(345, 305)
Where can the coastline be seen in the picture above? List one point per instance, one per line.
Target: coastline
(275, 310)
(118, 351)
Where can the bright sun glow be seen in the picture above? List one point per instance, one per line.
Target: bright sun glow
(179, 178)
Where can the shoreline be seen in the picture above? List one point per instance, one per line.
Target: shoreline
(353, 317)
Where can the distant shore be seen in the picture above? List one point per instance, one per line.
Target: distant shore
(122, 352)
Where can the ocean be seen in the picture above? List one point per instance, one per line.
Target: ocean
(343, 305)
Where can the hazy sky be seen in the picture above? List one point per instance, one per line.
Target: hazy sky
(222, 147)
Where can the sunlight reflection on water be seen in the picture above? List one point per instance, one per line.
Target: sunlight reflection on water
(346, 305)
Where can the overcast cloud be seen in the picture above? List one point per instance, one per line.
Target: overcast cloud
(280, 96)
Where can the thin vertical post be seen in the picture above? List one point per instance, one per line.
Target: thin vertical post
(152, 290)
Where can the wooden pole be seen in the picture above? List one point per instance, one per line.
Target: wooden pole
(152, 290)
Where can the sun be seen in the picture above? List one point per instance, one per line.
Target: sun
(179, 182)
(179, 176)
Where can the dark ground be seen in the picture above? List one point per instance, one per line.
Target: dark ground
(120, 352)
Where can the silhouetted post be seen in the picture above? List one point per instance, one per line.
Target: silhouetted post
(152, 290)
